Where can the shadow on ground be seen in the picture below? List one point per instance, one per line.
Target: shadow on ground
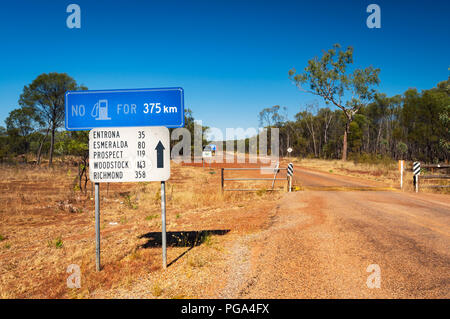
(181, 239)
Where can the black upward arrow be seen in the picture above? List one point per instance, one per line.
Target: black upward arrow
(159, 155)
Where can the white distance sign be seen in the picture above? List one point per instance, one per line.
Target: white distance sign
(129, 154)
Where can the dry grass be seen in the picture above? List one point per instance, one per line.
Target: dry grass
(46, 224)
(387, 173)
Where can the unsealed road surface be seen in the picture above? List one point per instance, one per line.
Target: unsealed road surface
(321, 241)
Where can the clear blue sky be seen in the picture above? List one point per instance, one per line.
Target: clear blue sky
(231, 57)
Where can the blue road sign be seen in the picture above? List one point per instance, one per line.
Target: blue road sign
(119, 108)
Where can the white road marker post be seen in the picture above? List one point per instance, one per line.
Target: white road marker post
(417, 183)
(97, 226)
(290, 173)
(163, 224)
(416, 172)
(401, 167)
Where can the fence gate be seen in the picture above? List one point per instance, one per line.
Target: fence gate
(275, 171)
(416, 171)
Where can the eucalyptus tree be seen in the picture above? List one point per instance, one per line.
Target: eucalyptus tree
(46, 95)
(330, 78)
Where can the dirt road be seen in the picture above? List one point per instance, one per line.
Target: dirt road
(321, 241)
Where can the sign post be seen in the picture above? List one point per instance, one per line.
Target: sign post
(207, 153)
(128, 139)
(129, 154)
(290, 173)
(401, 168)
(289, 150)
(416, 172)
(163, 224)
(97, 226)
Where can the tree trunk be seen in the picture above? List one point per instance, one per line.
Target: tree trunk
(377, 146)
(344, 145)
(368, 140)
(314, 143)
(311, 132)
(52, 144)
(38, 160)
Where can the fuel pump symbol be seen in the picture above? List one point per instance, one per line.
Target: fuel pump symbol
(100, 110)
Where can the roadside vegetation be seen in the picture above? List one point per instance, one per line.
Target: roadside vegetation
(46, 225)
(368, 124)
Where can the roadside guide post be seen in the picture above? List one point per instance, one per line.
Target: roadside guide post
(416, 172)
(290, 173)
(128, 140)
(401, 168)
(289, 150)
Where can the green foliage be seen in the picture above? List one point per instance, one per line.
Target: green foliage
(411, 126)
(261, 192)
(56, 243)
(271, 116)
(129, 202)
(422, 125)
(72, 143)
(329, 77)
(444, 118)
(25, 120)
(402, 148)
(45, 95)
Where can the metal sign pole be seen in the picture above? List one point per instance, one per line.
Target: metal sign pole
(97, 226)
(221, 177)
(163, 225)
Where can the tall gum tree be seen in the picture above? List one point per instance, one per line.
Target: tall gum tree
(46, 95)
(329, 78)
